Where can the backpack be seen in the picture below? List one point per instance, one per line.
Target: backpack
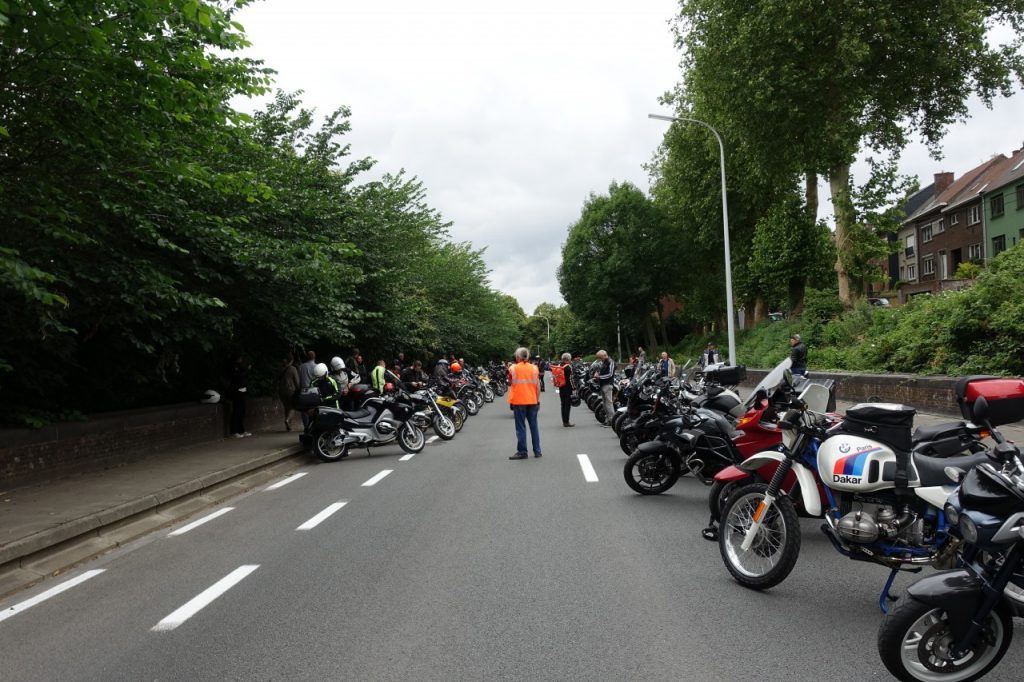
(558, 375)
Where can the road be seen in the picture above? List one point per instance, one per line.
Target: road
(457, 565)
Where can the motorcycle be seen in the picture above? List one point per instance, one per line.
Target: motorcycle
(883, 501)
(381, 420)
(956, 625)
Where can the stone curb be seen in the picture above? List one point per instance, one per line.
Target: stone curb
(21, 548)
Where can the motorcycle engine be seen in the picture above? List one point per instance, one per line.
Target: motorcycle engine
(871, 522)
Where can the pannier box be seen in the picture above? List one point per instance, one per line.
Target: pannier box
(728, 376)
(1005, 396)
(306, 399)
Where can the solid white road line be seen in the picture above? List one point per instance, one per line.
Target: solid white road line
(406, 458)
(285, 481)
(588, 469)
(315, 521)
(431, 439)
(196, 524)
(378, 478)
(193, 607)
(52, 592)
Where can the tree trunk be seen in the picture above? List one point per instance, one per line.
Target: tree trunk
(842, 205)
(760, 310)
(811, 195)
(797, 285)
(661, 326)
(649, 331)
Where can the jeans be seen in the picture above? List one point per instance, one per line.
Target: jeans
(609, 406)
(526, 414)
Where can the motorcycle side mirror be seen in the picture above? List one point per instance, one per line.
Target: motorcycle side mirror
(955, 474)
(981, 409)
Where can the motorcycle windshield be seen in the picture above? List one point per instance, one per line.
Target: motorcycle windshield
(771, 380)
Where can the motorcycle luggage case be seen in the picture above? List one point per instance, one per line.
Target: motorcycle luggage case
(1005, 397)
(886, 422)
(728, 376)
(306, 399)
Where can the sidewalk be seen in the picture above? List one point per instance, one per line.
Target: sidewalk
(41, 516)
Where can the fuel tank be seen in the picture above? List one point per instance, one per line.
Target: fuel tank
(859, 465)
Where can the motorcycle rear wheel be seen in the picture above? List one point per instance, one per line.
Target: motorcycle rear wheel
(651, 473)
(411, 439)
(776, 546)
(444, 427)
(329, 447)
(913, 629)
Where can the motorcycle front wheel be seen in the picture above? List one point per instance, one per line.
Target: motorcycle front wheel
(499, 389)
(776, 546)
(651, 473)
(593, 400)
(617, 422)
(488, 394)
(329, 446)
(410, 438)
(629, 441)
(913, 643)
(444, 427)
(471, 405)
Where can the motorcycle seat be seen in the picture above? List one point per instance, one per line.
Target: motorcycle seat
(936, 431)
(358, 414)
(931, 470)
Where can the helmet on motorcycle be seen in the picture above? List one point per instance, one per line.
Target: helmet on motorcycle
(388, 387)
(456, 367)
(320, 370)
(337, 364)
(210, 397)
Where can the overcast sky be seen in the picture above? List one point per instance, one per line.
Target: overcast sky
(513, 114)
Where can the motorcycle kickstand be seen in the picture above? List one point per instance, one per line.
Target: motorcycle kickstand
(711, 532)
(886, 595)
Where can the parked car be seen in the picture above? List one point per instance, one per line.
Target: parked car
(776, 317)
(880, 302)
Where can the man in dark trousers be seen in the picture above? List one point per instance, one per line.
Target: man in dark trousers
(524, 397)
(567, 389)
(797, 355)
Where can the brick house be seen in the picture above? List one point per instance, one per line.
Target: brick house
(947, 230)
(1004, 206)
(902, 265)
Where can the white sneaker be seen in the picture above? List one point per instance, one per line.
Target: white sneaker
(246, 434)
(238, 435)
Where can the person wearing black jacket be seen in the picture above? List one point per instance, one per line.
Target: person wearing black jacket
(797, 355)
(414, 378)
(566, 392)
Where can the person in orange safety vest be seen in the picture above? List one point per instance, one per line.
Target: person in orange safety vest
(524, 397)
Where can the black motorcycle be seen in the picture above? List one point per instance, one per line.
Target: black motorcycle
(956, 625)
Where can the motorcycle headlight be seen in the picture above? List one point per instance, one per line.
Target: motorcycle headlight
(952, 515)
(968, 531)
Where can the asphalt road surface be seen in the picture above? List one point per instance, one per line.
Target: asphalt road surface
(458, 564)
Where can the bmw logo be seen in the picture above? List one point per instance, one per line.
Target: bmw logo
(844, 448)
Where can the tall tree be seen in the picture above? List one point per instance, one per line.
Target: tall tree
(809, 84)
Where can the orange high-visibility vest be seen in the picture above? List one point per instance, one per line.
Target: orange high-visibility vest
(524, 387)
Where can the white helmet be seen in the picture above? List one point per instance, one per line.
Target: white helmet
(337, 364)
(210, 396)
(320, 370)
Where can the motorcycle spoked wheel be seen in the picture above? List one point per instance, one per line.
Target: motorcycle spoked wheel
(329, 446)
(913, 638)
(444, 427)
(776, 546)
(651, 473)
(720, 492)
(410, 438)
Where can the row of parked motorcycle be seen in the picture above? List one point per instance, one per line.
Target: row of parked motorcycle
(400, 413)
(949, 496)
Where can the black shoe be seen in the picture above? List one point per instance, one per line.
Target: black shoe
(538, 454)
(569, 424)
(519, 455)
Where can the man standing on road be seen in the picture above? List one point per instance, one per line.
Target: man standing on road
(798, 355)
(605, 378)
(567, 387)
(524, 397)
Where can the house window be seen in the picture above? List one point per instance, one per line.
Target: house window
(974, 215)
(943, 271)
(937, 227)
(1020, 197)
(909, 252)
(928, 266)
(903, 273)
(911, 273)
(954, 219)
(998, 245)
(974, 252)
(926, 234)
(997, 205)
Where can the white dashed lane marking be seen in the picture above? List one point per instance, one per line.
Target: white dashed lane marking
(196, 524)
(406, 458)
(316, 520)
(204, 598)
(378, 478)
(285, 481)
(588, 469)
(52, 592)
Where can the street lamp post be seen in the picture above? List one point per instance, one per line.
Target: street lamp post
(725, 230)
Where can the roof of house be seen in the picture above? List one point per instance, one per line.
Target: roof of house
(989, 171)
(963, 189)
(917, 199)
(1008, 172)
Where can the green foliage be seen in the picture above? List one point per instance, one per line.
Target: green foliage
(967, 270)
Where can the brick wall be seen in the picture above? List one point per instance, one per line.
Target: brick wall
(926, 393)
(111, 439)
